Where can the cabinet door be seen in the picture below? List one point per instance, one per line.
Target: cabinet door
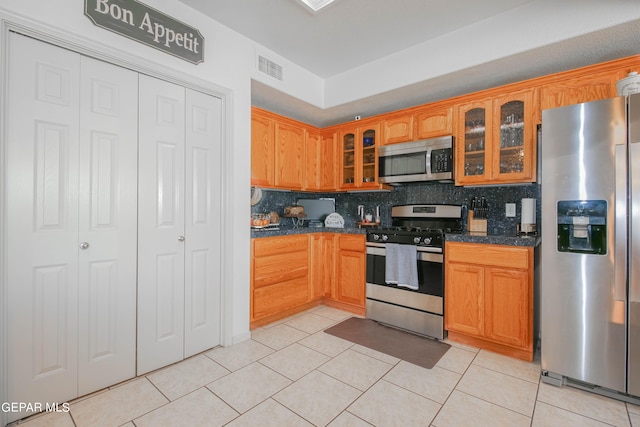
(313, 160)
(322, 265)
(514, 138)
(464, 299)
(347, 144)
(328, 261)
(160, 225)
(507, 309)
(473, 156)
(398, 128)
(289, 149)
(203, 134)
(577, 90)
(262, 150)
(368, 144)
(350, 268)
(316, 258)
(433, 122)
(328, 163)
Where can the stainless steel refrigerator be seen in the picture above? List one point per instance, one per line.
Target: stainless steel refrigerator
(590, 267)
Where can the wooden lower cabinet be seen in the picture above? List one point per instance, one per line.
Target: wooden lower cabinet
(279, 275)
(322, 262)
(350, 261)
(489, 297)
(290, 274)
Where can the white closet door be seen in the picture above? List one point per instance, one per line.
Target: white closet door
(42, 222)
(202, 245)
(108, 224)
(160, 224)
(71, 178)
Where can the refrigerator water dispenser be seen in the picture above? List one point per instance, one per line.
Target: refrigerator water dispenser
(582, 226)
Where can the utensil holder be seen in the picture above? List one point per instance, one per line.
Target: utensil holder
(476, 226)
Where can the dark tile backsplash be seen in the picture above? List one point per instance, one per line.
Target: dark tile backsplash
(347, 203)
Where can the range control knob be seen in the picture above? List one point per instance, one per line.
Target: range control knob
(376, 237)
(416, 240)
(427, 240)
(385, 237)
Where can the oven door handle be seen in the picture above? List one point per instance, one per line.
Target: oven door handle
(380, 250)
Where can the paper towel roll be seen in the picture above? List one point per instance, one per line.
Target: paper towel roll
(528, 212)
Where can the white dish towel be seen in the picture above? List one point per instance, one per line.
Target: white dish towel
(401, 265)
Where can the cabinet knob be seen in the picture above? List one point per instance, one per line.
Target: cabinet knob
(180, 238)
(84, 245)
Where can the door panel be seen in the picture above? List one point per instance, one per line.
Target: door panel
(160, 224)
(108, 223)
(42, 222)
(203, 135)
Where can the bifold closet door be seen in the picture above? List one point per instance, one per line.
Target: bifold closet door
(71, 203)
(202, 222)
(179, 223)
(108, 204)
(160, 224)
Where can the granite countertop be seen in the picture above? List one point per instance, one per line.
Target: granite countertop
(289, 230)
(509, 240)
(504, 239)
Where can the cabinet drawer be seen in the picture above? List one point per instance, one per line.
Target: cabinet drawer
(351, 243)
(489, 255)
(279, 297)
(279, 245)
(280, 267)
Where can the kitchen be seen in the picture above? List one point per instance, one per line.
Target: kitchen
(64, 17)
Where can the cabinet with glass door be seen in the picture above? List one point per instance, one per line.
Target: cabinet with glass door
(497, 140)
(359, 163)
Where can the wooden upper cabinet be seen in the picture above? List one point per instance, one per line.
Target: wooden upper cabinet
(398, 128)
(433, 121)
(277, 151)
(262, 149)
(290, 156)
(328, 163)
(313, 160)
(496, 139)
(576, 90)
(425, 122)
(358, 148)
(320, 161)
(472, 156)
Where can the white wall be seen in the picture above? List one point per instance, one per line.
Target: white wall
(534, 24)
(230, 62)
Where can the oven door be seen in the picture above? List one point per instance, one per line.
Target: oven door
(420, 311)
(430, 269)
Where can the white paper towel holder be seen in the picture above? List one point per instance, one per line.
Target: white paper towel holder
(527, 225)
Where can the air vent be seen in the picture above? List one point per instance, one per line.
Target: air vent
(269, 67)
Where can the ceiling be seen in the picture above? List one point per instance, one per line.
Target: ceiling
(351, 33)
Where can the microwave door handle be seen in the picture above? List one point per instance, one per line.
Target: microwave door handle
(428, 162)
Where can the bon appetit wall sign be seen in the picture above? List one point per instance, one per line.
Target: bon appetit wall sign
(140, 22)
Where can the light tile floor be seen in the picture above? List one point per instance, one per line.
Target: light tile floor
(292, 374)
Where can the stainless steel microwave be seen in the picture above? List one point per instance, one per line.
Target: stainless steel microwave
(417, 161)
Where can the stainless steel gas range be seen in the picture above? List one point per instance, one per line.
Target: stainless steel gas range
(405, 269)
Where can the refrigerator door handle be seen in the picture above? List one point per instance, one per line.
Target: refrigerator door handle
(620, 209)
(634, 220)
